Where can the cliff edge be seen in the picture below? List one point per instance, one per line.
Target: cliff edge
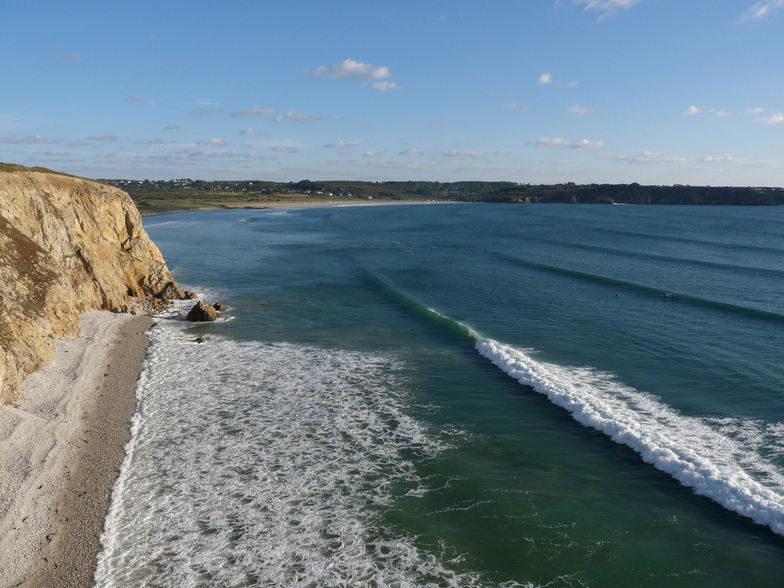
(67, 245)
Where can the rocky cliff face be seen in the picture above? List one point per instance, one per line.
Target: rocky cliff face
(67, 245)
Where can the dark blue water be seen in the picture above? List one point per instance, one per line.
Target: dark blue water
(462, 395)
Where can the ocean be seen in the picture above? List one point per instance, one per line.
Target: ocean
(461, 395)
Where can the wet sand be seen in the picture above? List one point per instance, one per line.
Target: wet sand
(61, 450)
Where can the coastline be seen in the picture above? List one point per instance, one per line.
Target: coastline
(146, 213)
(61, 449)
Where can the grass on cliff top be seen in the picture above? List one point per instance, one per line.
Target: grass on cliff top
(14, 167)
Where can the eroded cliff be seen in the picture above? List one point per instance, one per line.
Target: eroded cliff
(67, 245)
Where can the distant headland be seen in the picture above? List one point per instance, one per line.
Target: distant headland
(153, 197)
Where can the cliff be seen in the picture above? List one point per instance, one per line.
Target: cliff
(67, 245)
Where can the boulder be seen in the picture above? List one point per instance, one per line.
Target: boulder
(189, 295)
(201, 313)
(219, 307)
(171, 291)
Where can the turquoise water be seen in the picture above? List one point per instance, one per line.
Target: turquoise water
(462, 395)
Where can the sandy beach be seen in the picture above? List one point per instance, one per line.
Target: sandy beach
(60, 451)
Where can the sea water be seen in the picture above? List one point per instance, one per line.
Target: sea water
(462, 395)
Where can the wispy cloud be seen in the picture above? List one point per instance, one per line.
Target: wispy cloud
(351, 70)
(34, 140)
(464, 154)
(512, 106)
(754, 110)
(547, 78)
(384, 86)
(103, 138)
(299, 117)
(214, 141)
(581, 144)
(287, 148)
(762, 9)
(607, 7)
(774, 119)
(371, 154)
(691, 110)
(133, 98)
(340, 145)
(578, 110)
(255, 111)
(646, 157)
(729, 160)
(250, 131)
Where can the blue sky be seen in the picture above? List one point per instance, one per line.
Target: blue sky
(537, 91)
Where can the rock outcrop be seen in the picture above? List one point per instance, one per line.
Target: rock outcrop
(202, 313)
(67, 245)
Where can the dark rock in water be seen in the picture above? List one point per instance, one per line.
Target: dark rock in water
(199, 340)
(201, 313)
(219, 307)
(171, 291)
(189, 295)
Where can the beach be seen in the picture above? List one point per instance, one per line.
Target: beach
(61, 449)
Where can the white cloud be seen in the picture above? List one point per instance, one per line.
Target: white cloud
(691, 110)
(352, 70)
(512, 105)
(647, 157)
(607, 7)
(35, 139)
(755, 110)
(287, 148)
(103, 138)
(578, 110)
(255, 111)
(464, 154)
(298, 116)
(762, 9)
(547, 78)
(729, 160)
(722, 113)
(774, 119)
(214, 141)
(249, 131)
(339, 145)
(411, 151)
(581, 144)
(371, 154)
(384, 86)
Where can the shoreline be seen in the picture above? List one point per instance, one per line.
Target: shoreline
(150, 214)
(61, 450)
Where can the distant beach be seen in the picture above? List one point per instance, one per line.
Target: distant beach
(61, 449)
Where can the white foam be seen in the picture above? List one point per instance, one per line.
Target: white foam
(269, 465)
(727, 460)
